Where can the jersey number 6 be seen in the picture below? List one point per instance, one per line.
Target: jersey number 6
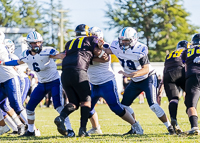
(35, 67)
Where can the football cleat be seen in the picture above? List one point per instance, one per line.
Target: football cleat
(14, 133)
(193, 131)
(137, 128)
(21, 129)
(96, 130)
(4, 129)
(82, 132)
(28, 134)
(176, 127)
(171, 130)
(130, 132)
(59, 121)
(70, 133)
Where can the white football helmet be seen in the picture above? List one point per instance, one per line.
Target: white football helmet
(34, 37)
(10, 45)
(96, 31)
(2, 37)
(127, 34)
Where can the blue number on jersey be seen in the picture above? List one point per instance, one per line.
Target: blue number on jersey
(130, 64)
(35, 67)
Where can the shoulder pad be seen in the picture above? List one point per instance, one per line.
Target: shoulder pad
(46, 51)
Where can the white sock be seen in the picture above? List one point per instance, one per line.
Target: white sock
(68, 124)
(11, 123)
(16, 119)
(167, 124)
(31, 127)
(23, 115)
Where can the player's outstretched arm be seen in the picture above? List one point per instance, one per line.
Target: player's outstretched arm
(141, 72)
(12, 63)
(58, 56)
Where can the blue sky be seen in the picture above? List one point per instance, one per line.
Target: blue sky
(91, 12)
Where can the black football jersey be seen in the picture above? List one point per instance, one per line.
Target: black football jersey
(174, 59)
(189, 55)
(79, 53)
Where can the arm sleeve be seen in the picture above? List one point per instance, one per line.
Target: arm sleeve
(12, 63)
(144, 60)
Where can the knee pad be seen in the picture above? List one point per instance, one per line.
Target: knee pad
(129, 109)
(157, 110)
(59, 109)
(30, 114)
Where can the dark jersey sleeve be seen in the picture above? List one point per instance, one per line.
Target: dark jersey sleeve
(144, 60)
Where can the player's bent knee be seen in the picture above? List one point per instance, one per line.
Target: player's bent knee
(157, 110)
(129, 109)
(117, 110)
(30, 114)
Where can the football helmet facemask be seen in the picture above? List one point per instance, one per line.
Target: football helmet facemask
(34, 37)
(182, 44)
(96, 31)
(82, 30)
(129, 36)
(196, 39)
(10, 45)
(2, 37)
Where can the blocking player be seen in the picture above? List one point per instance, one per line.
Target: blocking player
(104, 85)
(79, 53)
(133, 57)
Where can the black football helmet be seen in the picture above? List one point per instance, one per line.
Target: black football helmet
(182, 44)
(82, 30)
(196, 39)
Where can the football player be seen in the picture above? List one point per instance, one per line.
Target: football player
(173, 79)
(192, 89)
(133, 57)
(40, 60)
(10, 87)
(79, 53)
(104, 85)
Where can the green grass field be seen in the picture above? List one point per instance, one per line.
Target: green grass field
(112, 126)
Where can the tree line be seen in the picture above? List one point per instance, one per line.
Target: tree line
(161, 24)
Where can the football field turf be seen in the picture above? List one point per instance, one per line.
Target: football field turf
(112, 126)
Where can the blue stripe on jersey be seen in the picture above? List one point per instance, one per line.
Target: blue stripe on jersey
(123, 32)
(113, 47)
(35, 35)
(27, 53)
(52, 52)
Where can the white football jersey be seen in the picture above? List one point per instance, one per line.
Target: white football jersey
(44, 66)
(7, 72)
(19, 68)
(130, 58)
(100, 73)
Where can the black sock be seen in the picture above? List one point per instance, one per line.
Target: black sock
(85, 112)
(67, 110)
(193, 121)
(173, 109)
